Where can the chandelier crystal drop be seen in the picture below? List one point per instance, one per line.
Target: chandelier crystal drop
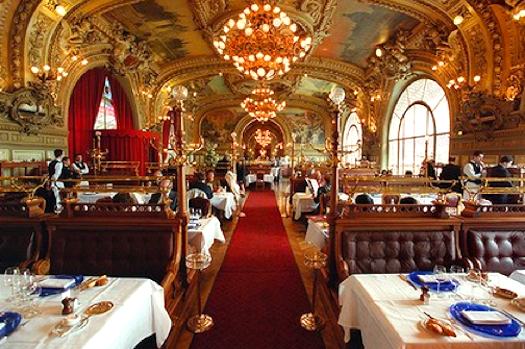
(264, 138)
(261, 105)
(262, 42)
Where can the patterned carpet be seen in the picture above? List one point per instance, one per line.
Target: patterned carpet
(258, 296)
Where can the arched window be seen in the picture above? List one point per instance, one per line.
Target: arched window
(419, 127)
(352, 139)
(106, 119)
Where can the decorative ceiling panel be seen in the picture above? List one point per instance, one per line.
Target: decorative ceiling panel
(167, 26)
(358, 28)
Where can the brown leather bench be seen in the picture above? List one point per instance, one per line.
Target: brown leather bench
(393, 239)
(494, 239)
(122, 240)
(21, 232)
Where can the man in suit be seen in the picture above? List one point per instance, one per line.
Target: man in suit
(200, 183)
(451, 172)
(500, 171)
(55, 171)
(165, 185)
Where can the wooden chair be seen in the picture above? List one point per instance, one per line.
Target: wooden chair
(202, 204)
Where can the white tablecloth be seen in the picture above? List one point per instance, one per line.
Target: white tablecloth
(202, 238)
(224, 202)
(304, 203)
(91, 198)
(316, 233)
(138, 313)
(422, 199)
(252, 178)
(388, 312)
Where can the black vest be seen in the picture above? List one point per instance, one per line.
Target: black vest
(51, 167)
(80, 165)
(477, 170)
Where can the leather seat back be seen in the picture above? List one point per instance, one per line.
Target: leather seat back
(374, 252)
(501, 251)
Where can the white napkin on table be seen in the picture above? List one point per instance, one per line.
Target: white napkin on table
(485, 317)
(432, 278)
(56, 283)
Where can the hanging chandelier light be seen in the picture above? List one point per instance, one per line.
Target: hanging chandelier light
(263, 138)
(262, 42)
(261, 105)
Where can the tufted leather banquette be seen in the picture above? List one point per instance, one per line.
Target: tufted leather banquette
(394, 245)
(495, 244)
(132, 250)
(20, 235)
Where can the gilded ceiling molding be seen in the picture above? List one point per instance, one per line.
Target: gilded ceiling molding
(423, 11)
(17, 40)
(7, 10)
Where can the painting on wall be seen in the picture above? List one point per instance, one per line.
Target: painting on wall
(216, 127)
(308, 128)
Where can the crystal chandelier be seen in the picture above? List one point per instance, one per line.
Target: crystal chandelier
(262, 42)
(263, 138)
(261, 105)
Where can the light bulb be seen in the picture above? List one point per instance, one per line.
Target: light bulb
(60, 10)
(379, 52)
(47, 68)
(35, 70)
(458, 20)
(84, 62)
(477, 78)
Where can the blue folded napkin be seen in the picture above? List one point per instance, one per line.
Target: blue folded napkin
(446, 286)
(45, 291)
(9, 321)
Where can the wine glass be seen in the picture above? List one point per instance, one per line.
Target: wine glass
(440, 272)
(11, 280)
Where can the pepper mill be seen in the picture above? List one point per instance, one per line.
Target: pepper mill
(69, 305)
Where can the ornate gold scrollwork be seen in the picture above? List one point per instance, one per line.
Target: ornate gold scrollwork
(32, 108)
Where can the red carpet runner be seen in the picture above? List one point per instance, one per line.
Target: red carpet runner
(258, 296)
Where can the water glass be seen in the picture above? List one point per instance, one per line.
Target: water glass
(441, 276)
(11, 281)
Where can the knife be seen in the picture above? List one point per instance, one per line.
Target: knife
(405, 279)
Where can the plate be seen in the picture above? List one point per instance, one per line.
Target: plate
(99, 308)
(52, 291)
(500, 331)
(62, 328)
(11, 320)
(447, 286)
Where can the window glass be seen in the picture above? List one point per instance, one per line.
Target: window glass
(419, 127)
(352, 139)
(106, 119)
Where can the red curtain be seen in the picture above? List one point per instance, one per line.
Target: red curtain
(129, 145)
(123, 109)
(83, 109)
(166, 125)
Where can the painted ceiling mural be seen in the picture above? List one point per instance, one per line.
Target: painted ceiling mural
(358, 27)
(307, 127)
(217, 126)
(165, 25)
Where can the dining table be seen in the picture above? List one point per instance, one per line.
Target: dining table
(202, 237)
(224, 201)
(317, 233)
(389, 313)
(138, 312)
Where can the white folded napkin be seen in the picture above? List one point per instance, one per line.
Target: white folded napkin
(56, 283)
(485, 317)
(431, 278)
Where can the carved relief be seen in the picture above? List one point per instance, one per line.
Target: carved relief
(32, 108)
(37, 37)
(482, 114)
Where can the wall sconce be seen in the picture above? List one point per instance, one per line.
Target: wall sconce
(45, 73)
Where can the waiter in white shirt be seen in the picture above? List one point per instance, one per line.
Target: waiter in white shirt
(79, 166)
(474, 171)
(55, 171)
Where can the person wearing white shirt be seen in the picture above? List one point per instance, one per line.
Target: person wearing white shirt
(474, 171)
(79, 166)
(55, 168)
